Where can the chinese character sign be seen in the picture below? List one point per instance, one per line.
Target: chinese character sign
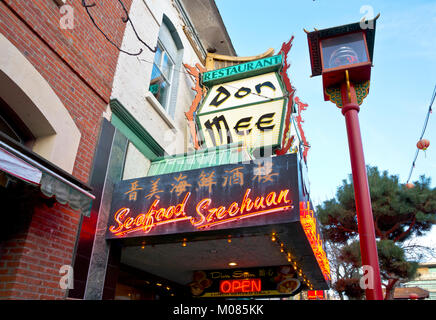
(214, 198)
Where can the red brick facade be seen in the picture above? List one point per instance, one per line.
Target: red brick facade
(30, 263)
(79, 65)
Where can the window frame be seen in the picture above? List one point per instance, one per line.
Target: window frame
(12, 121)
(169, 80)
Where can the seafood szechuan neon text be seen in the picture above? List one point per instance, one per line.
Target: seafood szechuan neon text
(205, 215)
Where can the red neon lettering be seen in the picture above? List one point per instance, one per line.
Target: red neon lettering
(308, 222)
(139, 220)
(160, 213)
(180, 208)
(246, 202)
(221, 212)
(245, 284)
(315, 294)
(282, 196)
(169, 213)
(221, 215)
(149, 219)
(119, 215)
(233, 209)
(225, 286)
(201, 205)
(212, 211)
(205, 215)
(257, 285)
(271, 199)
(258, 203)
(236, 286)
(240, 285)
(128, 223)
(146, 222)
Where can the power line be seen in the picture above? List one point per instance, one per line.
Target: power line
(423, 131)
(125, 20)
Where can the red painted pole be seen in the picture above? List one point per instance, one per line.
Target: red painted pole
(365, 218)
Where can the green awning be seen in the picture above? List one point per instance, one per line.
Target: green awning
(233, 153)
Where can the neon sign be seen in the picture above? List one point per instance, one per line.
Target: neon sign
(308, 221)
(315, 294)
(256, 193)
(257, 281)
(206, 216)
(240, 285)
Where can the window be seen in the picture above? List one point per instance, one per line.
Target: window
(161, 76)
(167, 62)
(344, 50)
(12, 126)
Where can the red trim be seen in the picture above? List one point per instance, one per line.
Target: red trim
(301, 107)
(195, 72)
(364, 213)
(286, 47)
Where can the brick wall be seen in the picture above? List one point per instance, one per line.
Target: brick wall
(79, 65)
(31, 260)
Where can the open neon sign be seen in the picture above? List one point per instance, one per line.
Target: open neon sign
(205, 214)
(315, 295)
(240, 285)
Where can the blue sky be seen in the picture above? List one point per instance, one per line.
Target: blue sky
(402, 81)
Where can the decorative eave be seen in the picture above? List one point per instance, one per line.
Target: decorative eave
(209, 26)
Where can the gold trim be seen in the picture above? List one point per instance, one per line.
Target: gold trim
(347, 79)
(194, 45)
(211, 58)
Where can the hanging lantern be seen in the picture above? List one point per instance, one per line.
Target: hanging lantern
(413, 296)
(423, 144)
(410, 185)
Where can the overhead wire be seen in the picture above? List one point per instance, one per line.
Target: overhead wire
(422, 132)
(125, 20)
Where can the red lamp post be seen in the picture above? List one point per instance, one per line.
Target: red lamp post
(343, 56)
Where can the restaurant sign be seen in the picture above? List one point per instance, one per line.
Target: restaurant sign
(261, 192)
(263, 281)
(245, 103)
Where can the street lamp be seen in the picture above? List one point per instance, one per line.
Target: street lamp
(343, 56)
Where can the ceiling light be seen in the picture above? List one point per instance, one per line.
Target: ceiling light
(232, 264)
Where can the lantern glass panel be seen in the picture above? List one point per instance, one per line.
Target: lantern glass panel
(344, 50)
